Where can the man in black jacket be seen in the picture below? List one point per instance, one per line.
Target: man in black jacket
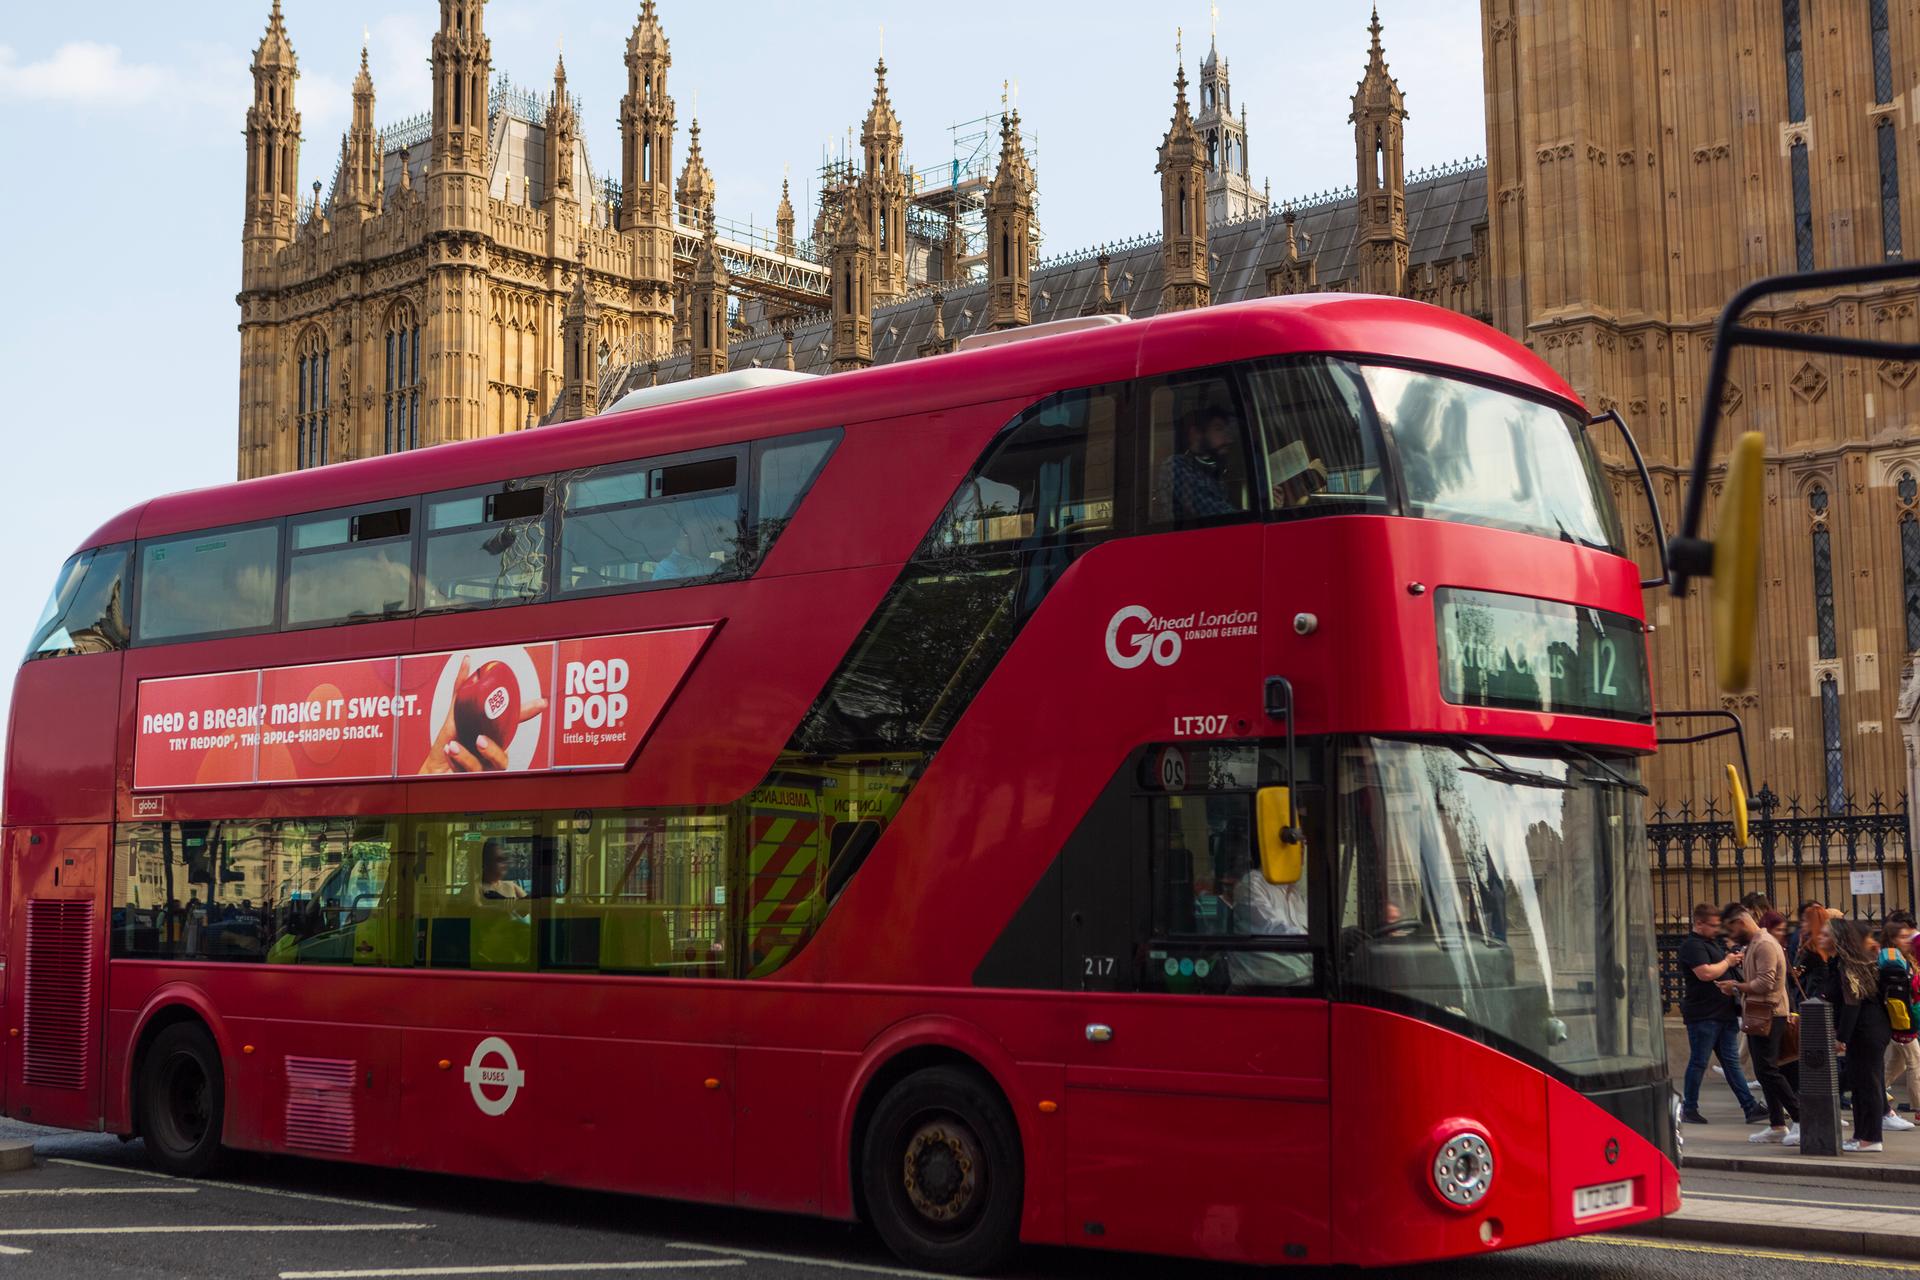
(1713, 1020)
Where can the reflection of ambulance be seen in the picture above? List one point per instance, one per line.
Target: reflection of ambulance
(809, 826)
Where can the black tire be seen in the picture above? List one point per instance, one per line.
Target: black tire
(182, 1094)
(942, 1172)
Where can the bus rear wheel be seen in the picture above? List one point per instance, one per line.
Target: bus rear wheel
(942, 1172)
(182, 1094)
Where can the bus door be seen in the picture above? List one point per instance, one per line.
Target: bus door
(1197, 1089)
(55, 976)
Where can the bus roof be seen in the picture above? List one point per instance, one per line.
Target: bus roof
(1353, 324)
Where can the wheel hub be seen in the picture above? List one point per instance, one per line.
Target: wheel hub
(941, 1169)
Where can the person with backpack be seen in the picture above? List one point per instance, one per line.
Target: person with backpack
(1898, 978)
(1862, 1030)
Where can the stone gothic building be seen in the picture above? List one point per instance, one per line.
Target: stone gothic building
(1616, 211)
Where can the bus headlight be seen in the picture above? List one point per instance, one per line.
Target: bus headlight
(1463, 1169)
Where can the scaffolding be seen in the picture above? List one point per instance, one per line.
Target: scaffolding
(939, 199)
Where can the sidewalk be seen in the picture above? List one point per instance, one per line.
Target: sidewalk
(1852, 1232)
(1721, 1144)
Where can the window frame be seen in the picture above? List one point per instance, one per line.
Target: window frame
(138, 641)
(757, 449)
(742, 486)
(425, 535)
(1394, 501)
(415, 505)
(1140, 388)
(88, 556)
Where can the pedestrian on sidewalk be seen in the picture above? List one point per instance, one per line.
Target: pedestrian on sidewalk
(1711, 1017)
(1861, 1029)
(1815, 954)
(1763, 1016)
(1897, 991)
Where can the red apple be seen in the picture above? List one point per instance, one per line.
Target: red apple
(487, 703)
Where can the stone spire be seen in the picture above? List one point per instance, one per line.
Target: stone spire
(883, 191)
(462, 66)
(273, 147)
(563, 133)
(1380, 207)
(851, 280)
(1294, 274)
(709, 314)
(1229, 187)
(1102, 302)
(786, 347)
(580, 343)
(458, 210)
(695, 190)
(783, 223)
(646, 183)
(937, 342)
(646, 128)
(360, 182)
(1009, 232)
(1186, 279)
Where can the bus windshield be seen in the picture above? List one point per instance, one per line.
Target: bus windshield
(1478, 456)
(1503, 892)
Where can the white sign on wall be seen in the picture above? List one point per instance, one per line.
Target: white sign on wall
(1865, 882)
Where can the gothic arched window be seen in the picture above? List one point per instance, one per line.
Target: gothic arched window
(404, 381)
(1909, 489)
(310, 421)
(1818, 502)
(1836, 771)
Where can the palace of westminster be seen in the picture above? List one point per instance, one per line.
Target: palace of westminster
(467, 274)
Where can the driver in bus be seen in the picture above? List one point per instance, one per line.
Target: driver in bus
(1262, 909)
(1193, 483)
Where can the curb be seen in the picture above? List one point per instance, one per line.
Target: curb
(1750, 1235)
(15, 1156)
(1805, 1167)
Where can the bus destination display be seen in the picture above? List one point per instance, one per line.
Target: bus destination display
(1539, 655)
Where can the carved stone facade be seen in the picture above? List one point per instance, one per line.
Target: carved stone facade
(1627, 204)
(422, 299)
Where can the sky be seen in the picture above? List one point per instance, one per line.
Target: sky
(122, 151)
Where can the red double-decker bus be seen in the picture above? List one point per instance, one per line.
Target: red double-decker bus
(1166, 787)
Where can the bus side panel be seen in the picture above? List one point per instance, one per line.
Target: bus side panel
(56, 962)
(778, 1129)
(1399, 1087)
(61, 765)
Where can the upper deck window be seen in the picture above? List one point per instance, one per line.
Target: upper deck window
(1479, 456)
(87, 610)
(352, 564)
(1322, 457)
(651, 523)
(486, 546)
(1196, 425)
(1051, 476)
(215, 582)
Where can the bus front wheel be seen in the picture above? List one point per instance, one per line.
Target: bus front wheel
(942, 1172)
(182, 1100)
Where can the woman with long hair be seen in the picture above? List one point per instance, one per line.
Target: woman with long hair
(1862, 1029)
(1814, 957)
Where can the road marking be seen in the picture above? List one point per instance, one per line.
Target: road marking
(1770, 1254)
(535, 1268)
(801, 1259)
(8, 1251)
(1855, 1206)
(100, 1191)
(236, 1186)
(250, 1228)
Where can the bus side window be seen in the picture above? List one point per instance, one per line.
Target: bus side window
(215, 582)
(1051, 477)
(1316, 438)
(783, 471)
(486, 546)
(1197, 460)
(351, 564)
(87, 612)
(649, 523)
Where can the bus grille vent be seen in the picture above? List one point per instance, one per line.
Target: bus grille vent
(59, 994)
(320, 1105)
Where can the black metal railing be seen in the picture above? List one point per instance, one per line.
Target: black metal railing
(1796, 854)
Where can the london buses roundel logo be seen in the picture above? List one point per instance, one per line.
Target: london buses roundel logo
(494, 1085)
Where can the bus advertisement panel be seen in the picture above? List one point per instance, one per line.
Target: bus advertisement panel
(582, 703)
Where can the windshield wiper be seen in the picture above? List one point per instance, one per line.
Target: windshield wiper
(1618, 778)
(1502, 771)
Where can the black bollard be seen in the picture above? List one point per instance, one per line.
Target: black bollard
(1819, 1081)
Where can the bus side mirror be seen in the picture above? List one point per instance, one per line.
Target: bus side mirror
(1281, 848)
(1736, 563)
(1738, 790)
